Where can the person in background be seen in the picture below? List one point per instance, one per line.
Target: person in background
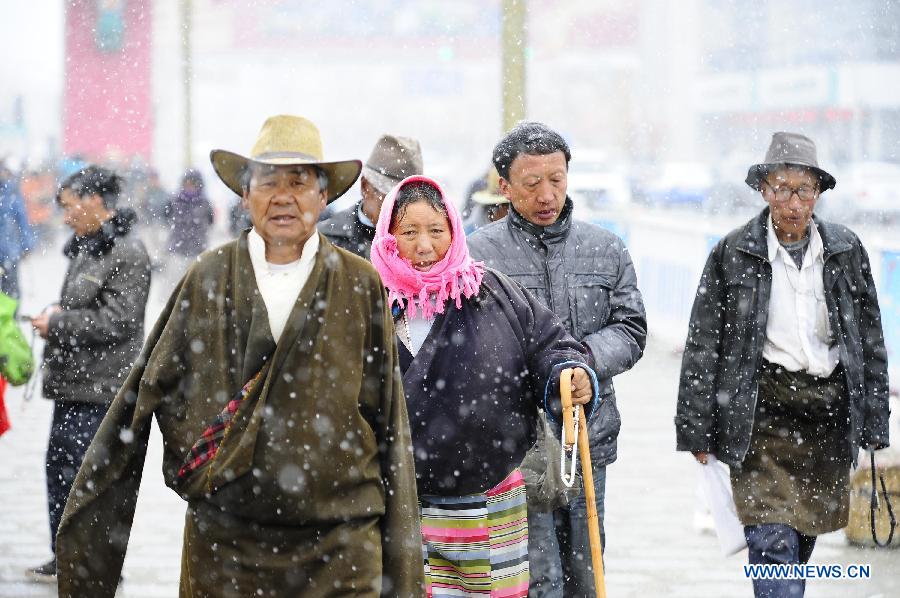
(38, 189)
(238, 217)
(489, 205)
(784, 375)
(467, 336)
(153, 226)
(16, 360)
(272, 375)
(95, 331)
(584, 274)
(392, 159)
(190, 215)
(16, 235)
(481, 183)
(155, 197)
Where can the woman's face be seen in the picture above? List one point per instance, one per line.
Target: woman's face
(423, 235)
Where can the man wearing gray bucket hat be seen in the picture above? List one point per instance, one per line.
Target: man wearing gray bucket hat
(283, 418)
(784, 376)
(392, 159)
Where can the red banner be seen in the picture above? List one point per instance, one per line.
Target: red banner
(107, 107)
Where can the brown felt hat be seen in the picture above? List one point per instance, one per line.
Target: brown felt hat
(393, 159)
(286, 140)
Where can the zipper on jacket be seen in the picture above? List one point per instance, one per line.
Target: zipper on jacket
(549, 283)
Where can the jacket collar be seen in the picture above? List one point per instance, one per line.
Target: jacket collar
(103, 240)
(834, 238)
(816, 249)
(557, 231)
(346, 224)
(753, 237)
(256, 245)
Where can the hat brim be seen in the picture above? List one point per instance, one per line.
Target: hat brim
(381, 182)
(341, 174)
(757, 173)
(486, 198)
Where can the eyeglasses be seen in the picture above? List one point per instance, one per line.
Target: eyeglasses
(785, 192)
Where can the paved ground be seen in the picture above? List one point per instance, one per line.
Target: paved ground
(653, 547)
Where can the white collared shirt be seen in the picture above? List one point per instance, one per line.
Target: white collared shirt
(363, 218)
(798, 333)
(280, 284)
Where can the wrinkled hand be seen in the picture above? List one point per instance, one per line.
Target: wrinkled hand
(41, 323)
(582, 393)
(701, 457)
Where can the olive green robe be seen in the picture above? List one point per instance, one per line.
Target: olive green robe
(312, 492)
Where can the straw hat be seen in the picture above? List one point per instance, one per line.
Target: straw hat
(491, 195)
(790, 149)
(286, 140)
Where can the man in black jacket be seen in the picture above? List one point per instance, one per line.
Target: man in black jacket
(784, 375)
(392, 159)
(94, 333)
(584, 274)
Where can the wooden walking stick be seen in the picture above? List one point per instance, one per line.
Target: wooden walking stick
(571, 415)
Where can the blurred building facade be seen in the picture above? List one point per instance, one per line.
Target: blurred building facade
(31, 38)
(107, 98)
(426, 68)
(641, 81)
(828, 69)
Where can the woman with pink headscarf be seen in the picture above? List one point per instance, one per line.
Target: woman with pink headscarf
(479, 356)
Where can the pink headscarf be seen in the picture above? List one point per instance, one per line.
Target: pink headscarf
(455, 276)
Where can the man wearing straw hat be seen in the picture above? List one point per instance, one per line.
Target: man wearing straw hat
(392, 159)
(488, 205)
(784, 375)
(283, 418)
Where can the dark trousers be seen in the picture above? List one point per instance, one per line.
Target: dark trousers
(559, 549)
(776, 543)
(73, 428)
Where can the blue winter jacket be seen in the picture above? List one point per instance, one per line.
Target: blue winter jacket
(16, 236)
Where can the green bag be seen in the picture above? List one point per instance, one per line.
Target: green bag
(16, 361)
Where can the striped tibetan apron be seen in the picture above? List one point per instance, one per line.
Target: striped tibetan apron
(477, 545)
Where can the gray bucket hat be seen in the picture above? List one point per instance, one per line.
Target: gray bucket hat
(790, 149)
(393, 159)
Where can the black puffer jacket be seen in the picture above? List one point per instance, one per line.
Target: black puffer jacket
(94, 340)
(723, 352)
(347, 231)
(584, 274)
